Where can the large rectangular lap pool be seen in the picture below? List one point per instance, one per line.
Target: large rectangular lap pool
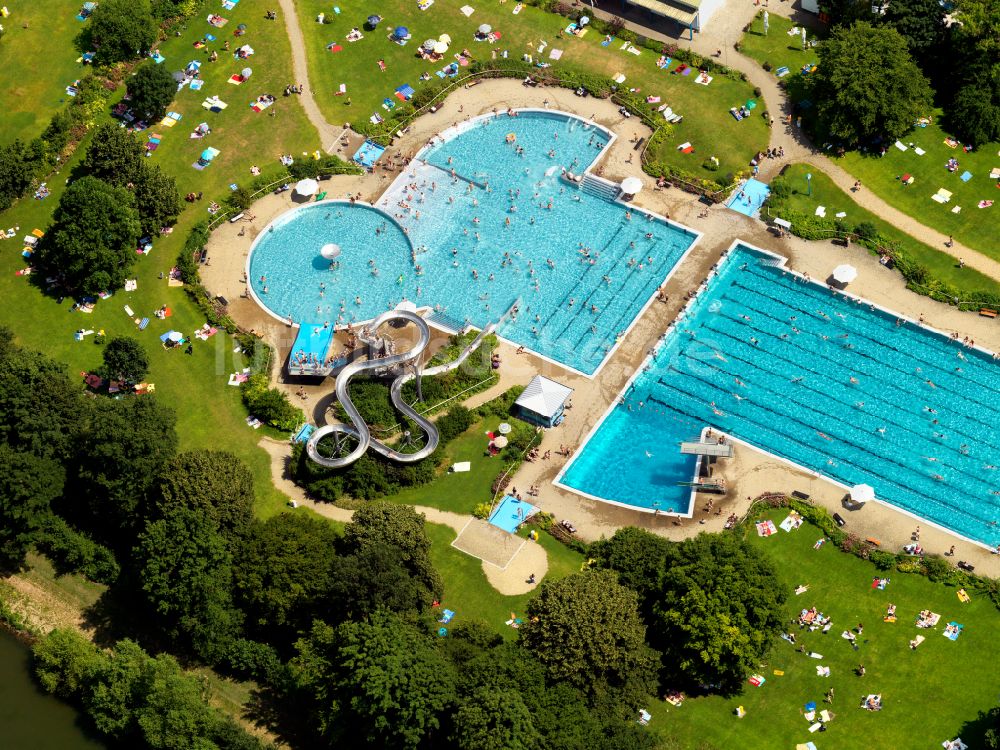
(820, 379)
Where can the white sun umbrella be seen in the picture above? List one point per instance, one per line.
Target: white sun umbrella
(246, 73)
(330, 251)
(862, 493)
(175, 336)
(485, 29)
(445, 38)
(504, 428)
(845, 274)
(586, 19)
(500, 442)
(440, 47)
(307, 187)
(429, 44)
(631, 185)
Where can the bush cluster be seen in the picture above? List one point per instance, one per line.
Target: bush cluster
(270, 405)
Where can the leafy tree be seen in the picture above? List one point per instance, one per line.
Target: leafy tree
(151, 91)
(495, 720)
(270, 404)
(41, 411)
(980, 23)
(284, 572)
(720, 606)
(157, 199)
(114, 155)
(91, 243)
(920, 22)
(120, 455)
(374, 577)
(125, 359)
(64, 660)
(381, 682)
(866, 85)
(638, 556)
(845, 12)
(29, 485)
(974, 114)
(992, 736)
(585, 630)
(16, 173)
(119, 30)
(397, 526)
(215, 484)
(185, 569)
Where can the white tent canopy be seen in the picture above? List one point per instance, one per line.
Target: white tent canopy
(544, 397)
(862, 493)
(631, 185)
(845, 273)
(307, 187)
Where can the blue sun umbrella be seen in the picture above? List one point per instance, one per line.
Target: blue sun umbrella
(401, 32)
(374, 21)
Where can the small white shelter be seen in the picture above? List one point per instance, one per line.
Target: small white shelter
(543, 402)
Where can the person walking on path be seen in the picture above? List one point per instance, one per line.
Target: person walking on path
(829, 696)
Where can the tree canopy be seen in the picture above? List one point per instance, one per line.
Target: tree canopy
(125, 359)
(119, 30)
(151, 90)
(974, 114)
(920, 22)
(283, 578)
(585, 630)
(29, 485)
(867, 86)
(215, 484)
(398, 526)
(91, 243)
(381, 682)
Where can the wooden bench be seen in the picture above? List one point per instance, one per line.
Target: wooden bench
(987, 312)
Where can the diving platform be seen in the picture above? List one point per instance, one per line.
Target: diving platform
(717, 450)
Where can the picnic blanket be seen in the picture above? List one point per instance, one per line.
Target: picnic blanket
(929, 620)
(952, 631)
(466, 10)
(766, 528)
(966, 176)
(704, 79)
(792, 521)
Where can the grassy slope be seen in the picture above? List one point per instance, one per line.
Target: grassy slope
(38, 62)
(973, 227)
(826, 193)
(927, 694)
(707, 123)
(209, 412)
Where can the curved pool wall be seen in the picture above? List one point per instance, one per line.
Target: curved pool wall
(573, 312)
(929, 451)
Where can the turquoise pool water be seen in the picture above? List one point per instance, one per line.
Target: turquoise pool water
(504, 230)
(820, 380)
(749, 197)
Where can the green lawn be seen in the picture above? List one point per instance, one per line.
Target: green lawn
(707, 123)
(210, 414)
(974, 227)
(778, 47)
(826, 193)
(927, 694)
(467, 591)
(459, 493)
(38, 63)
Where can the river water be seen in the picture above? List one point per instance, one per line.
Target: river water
(30, 719)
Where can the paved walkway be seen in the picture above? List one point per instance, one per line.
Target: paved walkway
(328, 134)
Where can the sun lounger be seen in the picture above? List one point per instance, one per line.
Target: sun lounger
(143, 323)
(466, 10)
(918, 151)
(461, 466)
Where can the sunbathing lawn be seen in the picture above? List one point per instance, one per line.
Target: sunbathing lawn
(779, 48)
(210, 414)
(38, 63)
(707, 122)
(826, 193)
(974, 227)
(928, 695)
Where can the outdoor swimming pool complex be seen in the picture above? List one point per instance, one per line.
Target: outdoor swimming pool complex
(818, 379)
(504, 230)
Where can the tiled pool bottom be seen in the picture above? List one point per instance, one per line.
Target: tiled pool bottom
(815, 378)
